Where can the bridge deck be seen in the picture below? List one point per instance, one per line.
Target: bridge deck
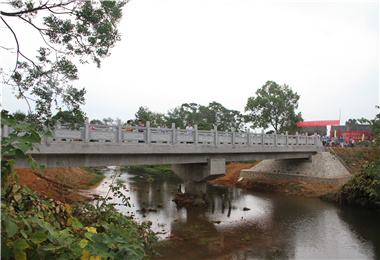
(114, 145)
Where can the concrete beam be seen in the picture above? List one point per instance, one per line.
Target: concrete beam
(92, 160)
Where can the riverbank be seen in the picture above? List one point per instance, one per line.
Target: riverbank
(353, 158)
(63, 184)
(231, 178)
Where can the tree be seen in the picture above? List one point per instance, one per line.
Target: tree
(83, 29)
(177, 116)
(274, 105)
(97, 122)
(206, 117)
(69, 116)
(224, 118)
(375, 123)
(144, 114)
(108, 121)
(19, 115)
(352, 121)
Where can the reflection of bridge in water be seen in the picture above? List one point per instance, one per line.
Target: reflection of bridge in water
(195, 155)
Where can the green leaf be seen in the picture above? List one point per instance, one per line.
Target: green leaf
(111, 245)
(89, 235)
(38, 237)
(6, 250)
(63, 234)
(11, 228)
(48, 134)
(21, 244)
(34, 137)
(20, 154)
(41, 167)
(20, 255)
(47, 204)
(24, 147)
(83, 243)
(24, 234)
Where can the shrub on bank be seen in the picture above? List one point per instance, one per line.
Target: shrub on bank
(34, 227)
(363, 189)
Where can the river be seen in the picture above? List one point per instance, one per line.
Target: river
(277, 226)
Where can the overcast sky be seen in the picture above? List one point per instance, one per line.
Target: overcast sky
(182, 51)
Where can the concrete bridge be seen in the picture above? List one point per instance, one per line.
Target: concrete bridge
(195, 155)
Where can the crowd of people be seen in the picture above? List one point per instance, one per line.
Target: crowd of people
(342, 141)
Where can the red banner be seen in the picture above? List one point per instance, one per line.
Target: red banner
(317, 123)
(356, 135)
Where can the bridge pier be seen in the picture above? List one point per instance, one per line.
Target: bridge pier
(196, 187)
(201, 172)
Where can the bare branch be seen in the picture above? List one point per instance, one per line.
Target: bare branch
(18, 53)
(18, 47)
(8, 49)
(40, 8)
(32, 24)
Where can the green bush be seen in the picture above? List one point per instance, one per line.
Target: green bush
(34, 227)
(363, 188)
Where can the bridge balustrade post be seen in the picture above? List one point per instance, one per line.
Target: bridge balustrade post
(286, 138)
(215, 135)
(196, 134)
(307, 138)
(297, 138)
(262, 137)
(173, 134)
(119, 134)
(148, 132)
(315, 138)
(275, 138)
(249, 137)
(233, 137)
(87, 131)
(59, 126)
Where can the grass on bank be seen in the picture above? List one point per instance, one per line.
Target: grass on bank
(95, 179)
(165, 169)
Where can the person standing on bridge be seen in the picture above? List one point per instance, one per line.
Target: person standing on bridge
(128, 127)
(189, 129)
(140, 125)
(164, 131)
(164, 127)
(92, 128)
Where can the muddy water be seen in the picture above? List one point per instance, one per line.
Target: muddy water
(276, 226)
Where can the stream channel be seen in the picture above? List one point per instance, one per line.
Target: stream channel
(277, 226)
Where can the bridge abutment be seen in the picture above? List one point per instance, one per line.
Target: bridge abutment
(322, 168)
(201, 172)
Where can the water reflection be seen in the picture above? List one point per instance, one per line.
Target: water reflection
(276, 226)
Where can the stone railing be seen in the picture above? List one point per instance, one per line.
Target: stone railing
(171, 136)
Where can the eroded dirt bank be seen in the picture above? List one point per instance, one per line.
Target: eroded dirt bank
(63, 184)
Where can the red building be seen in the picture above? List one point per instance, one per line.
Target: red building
(354, 131)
